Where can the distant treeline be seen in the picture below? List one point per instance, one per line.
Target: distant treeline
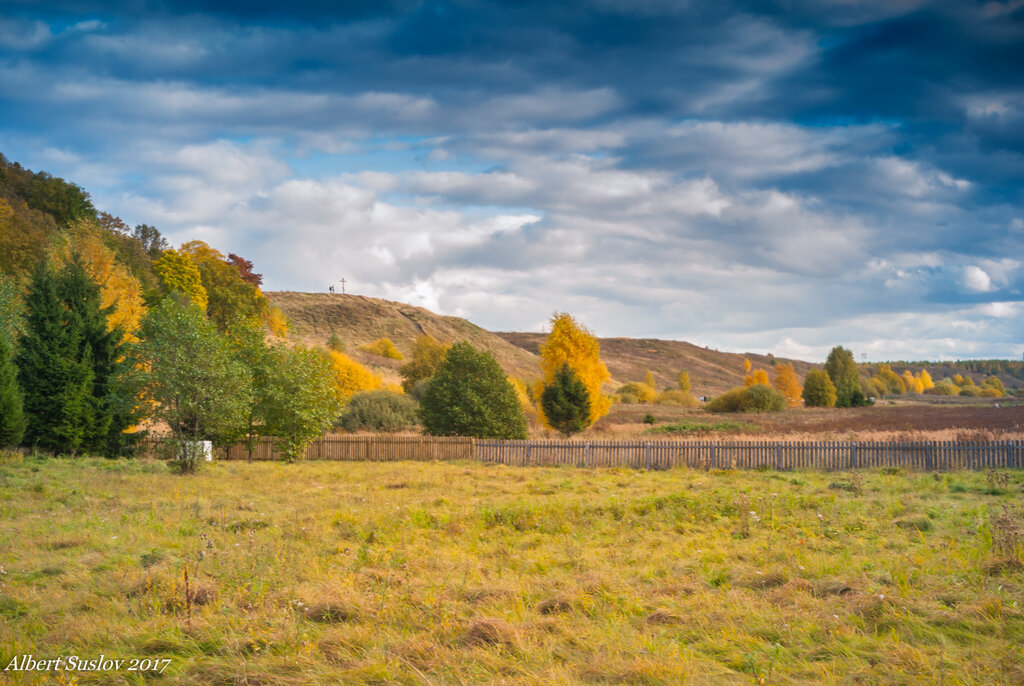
(1013, 368)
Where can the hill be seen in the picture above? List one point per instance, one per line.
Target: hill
(628, 359)
(358, 319)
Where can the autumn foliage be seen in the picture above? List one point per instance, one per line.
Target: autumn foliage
(571, 343)
(788, 383)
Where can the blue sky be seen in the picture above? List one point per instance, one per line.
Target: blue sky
(769, 177)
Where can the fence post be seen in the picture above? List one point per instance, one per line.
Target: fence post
(1009, 454)
(586, 454)
(853, 455)
(647, 455)
(778, 457)
(713, 457)
(928, 462)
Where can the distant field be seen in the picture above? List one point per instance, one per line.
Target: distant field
(424, 573)
(961, 419)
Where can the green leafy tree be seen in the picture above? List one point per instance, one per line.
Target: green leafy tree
(179, 274)
(249, 346)
(566, 402)
(12, 414)
(842, 369)
(819, 391)
(379, 410)
(193, 382)
(470, 396)
(302, 400)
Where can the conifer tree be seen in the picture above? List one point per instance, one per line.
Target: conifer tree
(566, 403)
(55, 369)
(12, 415)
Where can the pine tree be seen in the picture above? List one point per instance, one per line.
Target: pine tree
(54, 369)
(12, 414)
(566, 402)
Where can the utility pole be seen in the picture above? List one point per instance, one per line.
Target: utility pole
(343, 285)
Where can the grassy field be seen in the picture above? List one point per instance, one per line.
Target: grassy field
(413, 573)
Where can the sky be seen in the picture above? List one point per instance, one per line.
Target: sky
(768, 177)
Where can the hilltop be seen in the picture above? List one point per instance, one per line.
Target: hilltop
(358, 319)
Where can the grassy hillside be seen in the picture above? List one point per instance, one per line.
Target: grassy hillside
(358, 320)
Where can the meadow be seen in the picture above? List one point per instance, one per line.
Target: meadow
(459, 573)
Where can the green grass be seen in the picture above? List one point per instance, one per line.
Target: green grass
(424, 573)
(702, 428)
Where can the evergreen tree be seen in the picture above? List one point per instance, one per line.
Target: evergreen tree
(566, 402)
(54, 369)
(470, 396)
(12, 415)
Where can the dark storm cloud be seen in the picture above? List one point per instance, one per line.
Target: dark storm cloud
(720, 171)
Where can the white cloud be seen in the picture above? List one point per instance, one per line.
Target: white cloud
(977, 279)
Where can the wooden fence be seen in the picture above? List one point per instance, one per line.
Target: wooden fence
(822, 455)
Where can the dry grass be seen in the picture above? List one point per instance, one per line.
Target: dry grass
(473, 574)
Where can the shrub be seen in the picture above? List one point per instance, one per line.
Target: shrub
(379, 411)
(755, 398)
(383, 347)
(636, 392)
(650, 419)
(946, 387)
(335, 343)
(972, 391)
(677, 397)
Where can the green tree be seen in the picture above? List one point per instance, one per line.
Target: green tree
(151, 239)
(819, 391)
(302, 400)
(842, 369)
(179, 274)
(470, 396)
(12, 415)
(249, 346)
(566, 402)
(193, 383)
(55, 367)
(12, 309)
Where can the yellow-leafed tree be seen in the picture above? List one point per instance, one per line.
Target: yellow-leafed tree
(350, 376)
(788, 382)
(571, 343)
(926, 380)
(684, 381)
(758, 376)
(912, 383)
(179, 273)
(118, 288)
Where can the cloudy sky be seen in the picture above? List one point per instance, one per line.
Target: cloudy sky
(769, 177)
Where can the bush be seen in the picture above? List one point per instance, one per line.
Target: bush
(636, 392)
(383, 347)
(972, 391)
(755, 398)
(945, 387)
(650, 419)
(677, 397)
(335, 343)
(384, 411)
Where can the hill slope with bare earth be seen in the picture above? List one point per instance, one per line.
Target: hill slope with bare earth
(358, 320)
